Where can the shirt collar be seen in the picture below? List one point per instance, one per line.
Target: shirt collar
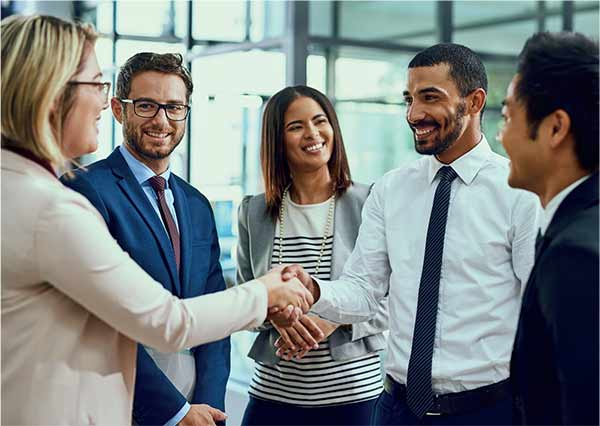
(555, 202)
(466, 166)
(142, 172)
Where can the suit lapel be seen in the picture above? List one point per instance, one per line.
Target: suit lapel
(185, 225)
(133, 190)
(262, 231)
(342, 237)
(584, 196)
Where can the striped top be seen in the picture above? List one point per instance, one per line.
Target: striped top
(316, 379)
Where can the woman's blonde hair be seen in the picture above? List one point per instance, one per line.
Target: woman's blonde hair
(40, 54)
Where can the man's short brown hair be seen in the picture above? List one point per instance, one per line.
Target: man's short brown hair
(168, 63)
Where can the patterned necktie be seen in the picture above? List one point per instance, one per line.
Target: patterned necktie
(419, 395)
(159, 183)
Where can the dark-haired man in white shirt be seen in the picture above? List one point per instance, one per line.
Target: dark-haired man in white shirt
(453, 245)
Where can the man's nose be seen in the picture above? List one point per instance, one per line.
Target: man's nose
(161, 116)
(415, 113)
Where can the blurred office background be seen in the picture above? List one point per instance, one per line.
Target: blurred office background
(241, 52)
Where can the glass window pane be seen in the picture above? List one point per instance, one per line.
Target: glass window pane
(320, 15)
(224, 126)
(399, 21)
(370, 74)
(499, 76)
(554, 23)
(316, 72)
(104, 52)
(267, 19)
(255, 72)
(501, 39)
(181, 18)
(492, 123)
(376, 137)
(104, 17)
(145, 18)
(587, 23)
(217, 20)
(128, 48)
(469, 12)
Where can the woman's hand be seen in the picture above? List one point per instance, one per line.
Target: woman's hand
(303, 336)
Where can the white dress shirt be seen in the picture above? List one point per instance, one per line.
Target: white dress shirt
(552, 206)
(488, 254)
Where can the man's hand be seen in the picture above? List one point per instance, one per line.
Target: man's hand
(297, 271)
(289, 299)
(293, 342)
(202, 415)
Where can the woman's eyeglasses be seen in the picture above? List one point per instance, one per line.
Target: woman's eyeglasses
(103, 87)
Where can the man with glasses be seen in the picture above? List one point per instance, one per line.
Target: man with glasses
(167, 227)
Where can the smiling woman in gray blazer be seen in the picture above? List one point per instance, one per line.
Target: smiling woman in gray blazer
(310, 214)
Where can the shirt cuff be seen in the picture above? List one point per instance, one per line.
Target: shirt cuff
(324, 302)
(179, 416)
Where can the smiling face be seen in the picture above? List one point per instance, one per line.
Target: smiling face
(435, 109)
(307, 135)
(152, 140)
(80, 128)
(528, 158)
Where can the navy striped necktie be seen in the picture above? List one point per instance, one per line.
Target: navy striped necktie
(419, 395)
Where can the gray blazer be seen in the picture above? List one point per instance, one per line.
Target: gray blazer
(255, 249)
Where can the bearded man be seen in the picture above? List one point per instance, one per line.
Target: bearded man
(167, 227)
(453, 245)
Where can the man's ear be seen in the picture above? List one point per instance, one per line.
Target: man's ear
(476, 101)
(559, 124)
(117, 109)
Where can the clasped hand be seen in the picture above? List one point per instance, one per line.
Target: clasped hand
(305, 334)
(298, 333)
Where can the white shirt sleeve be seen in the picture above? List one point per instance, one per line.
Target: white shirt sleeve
(80, 258)
(526, 219)
(355, 296)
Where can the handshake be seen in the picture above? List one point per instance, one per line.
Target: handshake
(291, 292)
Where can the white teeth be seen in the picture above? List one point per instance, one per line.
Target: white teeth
(157, 135)
(422, 132)
(313, 148)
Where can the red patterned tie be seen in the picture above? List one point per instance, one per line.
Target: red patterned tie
(158, 183)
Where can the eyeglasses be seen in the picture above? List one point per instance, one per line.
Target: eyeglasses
(103, 87)
(148, 109)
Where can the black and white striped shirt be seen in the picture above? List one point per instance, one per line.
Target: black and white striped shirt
(316, 379)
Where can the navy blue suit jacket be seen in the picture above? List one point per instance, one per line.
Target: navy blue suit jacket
(113, 189)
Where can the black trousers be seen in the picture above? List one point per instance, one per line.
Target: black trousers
(394, 411)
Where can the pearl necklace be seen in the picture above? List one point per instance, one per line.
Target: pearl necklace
(327, 227)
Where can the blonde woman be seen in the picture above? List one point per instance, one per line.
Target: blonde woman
(73, 303)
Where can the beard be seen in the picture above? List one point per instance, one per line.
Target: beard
(453, 131)
(134, 135)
